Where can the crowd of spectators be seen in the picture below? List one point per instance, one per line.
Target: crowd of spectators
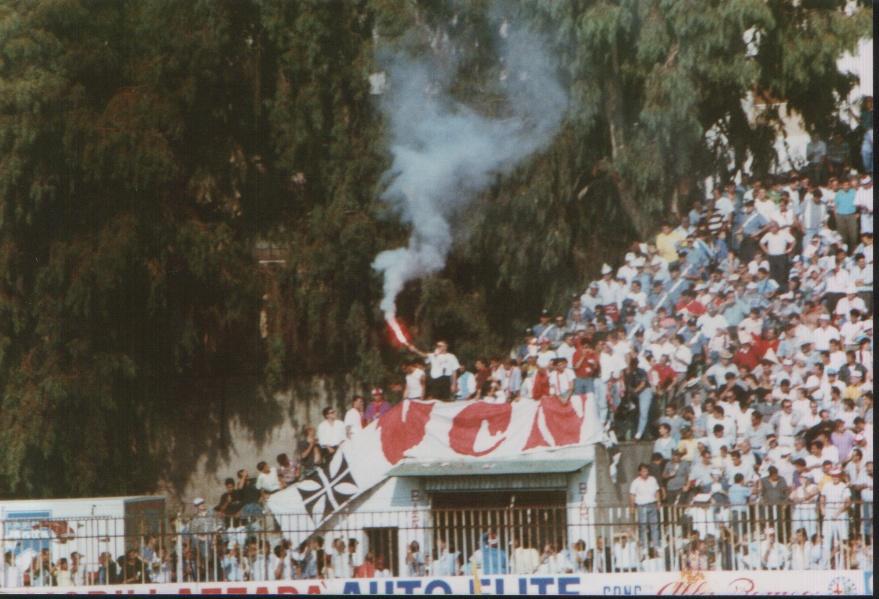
(738, 341)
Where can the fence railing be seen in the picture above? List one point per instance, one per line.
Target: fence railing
(419, 540)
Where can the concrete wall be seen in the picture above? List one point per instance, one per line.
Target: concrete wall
(248, 426)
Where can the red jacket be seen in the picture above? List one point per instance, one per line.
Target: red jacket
(541, 384)
(590, 367)
(665, 373)
(761, 345)
(746, 360)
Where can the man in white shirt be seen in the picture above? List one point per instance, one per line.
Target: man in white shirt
(442, 382)
(561, 380)
(777, 244)
(785, 423)
(267, 480)
(822, 335)
(625, 555)
(644, 496)
(711, 321)
(850, 302)
(546, 355)
(835, 501)
(354, 417)
(681, 356)
(340, 560)
(331, 431)
(415, 381)
(772, 553)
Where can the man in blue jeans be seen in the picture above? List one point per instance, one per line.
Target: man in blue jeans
(644, 496)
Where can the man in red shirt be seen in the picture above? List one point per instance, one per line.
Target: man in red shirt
(661, 375)
(746, 357)
(586, 366)
(762, 344)
(689, 303)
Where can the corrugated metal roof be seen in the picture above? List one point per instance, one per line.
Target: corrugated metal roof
(564, 460)
(557, 481)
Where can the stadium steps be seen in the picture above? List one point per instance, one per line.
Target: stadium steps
(632, 453)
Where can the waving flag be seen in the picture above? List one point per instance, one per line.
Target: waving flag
(431, 431)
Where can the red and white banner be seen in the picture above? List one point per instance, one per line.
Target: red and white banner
(433, 431)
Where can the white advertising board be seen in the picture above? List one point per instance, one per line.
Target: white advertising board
(841, 582)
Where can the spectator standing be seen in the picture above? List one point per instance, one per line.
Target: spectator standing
(490, 557)
(773, 554)
(415, 381)
(443, 374)
(378, 407)
(644, 496)
(625, 555)
(354, 417)
(466, 384)
(835, 502)
(846, 213)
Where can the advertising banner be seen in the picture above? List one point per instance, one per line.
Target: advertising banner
(835, 583)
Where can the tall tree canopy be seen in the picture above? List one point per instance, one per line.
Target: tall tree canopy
(148, 147)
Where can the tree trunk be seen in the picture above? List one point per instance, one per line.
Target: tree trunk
(613, 108)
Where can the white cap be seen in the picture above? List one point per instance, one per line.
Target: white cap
(605, 269)
(197, 501)
(770, 530)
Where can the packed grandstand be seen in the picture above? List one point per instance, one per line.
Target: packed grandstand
(738, 343)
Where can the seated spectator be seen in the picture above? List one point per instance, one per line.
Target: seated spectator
(309, 452)
(330, 432)
(287, 471)
(490, 558)
(267, 480)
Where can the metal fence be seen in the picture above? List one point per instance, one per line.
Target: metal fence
(546, 539)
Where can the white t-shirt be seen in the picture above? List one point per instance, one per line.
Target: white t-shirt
(330, 434)
(821, 337)
(644, 490)
(268, 481)
(834, 496)
(611, 365)
(561, 382)
(444, 364)
(353, 421)
(710, 324)
(544, 358)
(777, 243)
(414, 385)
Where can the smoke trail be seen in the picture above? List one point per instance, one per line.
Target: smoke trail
(444, 153)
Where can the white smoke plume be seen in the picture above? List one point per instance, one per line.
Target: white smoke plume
(445, 153)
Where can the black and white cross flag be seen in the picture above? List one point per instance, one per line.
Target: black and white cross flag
(327, 488)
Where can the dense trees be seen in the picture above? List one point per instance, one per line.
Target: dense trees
(146, 147)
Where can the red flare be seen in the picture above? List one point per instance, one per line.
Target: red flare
(398, 333)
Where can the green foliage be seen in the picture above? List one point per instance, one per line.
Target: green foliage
(147, 147)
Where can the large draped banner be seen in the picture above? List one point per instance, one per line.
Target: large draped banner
(433, 431)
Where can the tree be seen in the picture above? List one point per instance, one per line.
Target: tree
(148, 148)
